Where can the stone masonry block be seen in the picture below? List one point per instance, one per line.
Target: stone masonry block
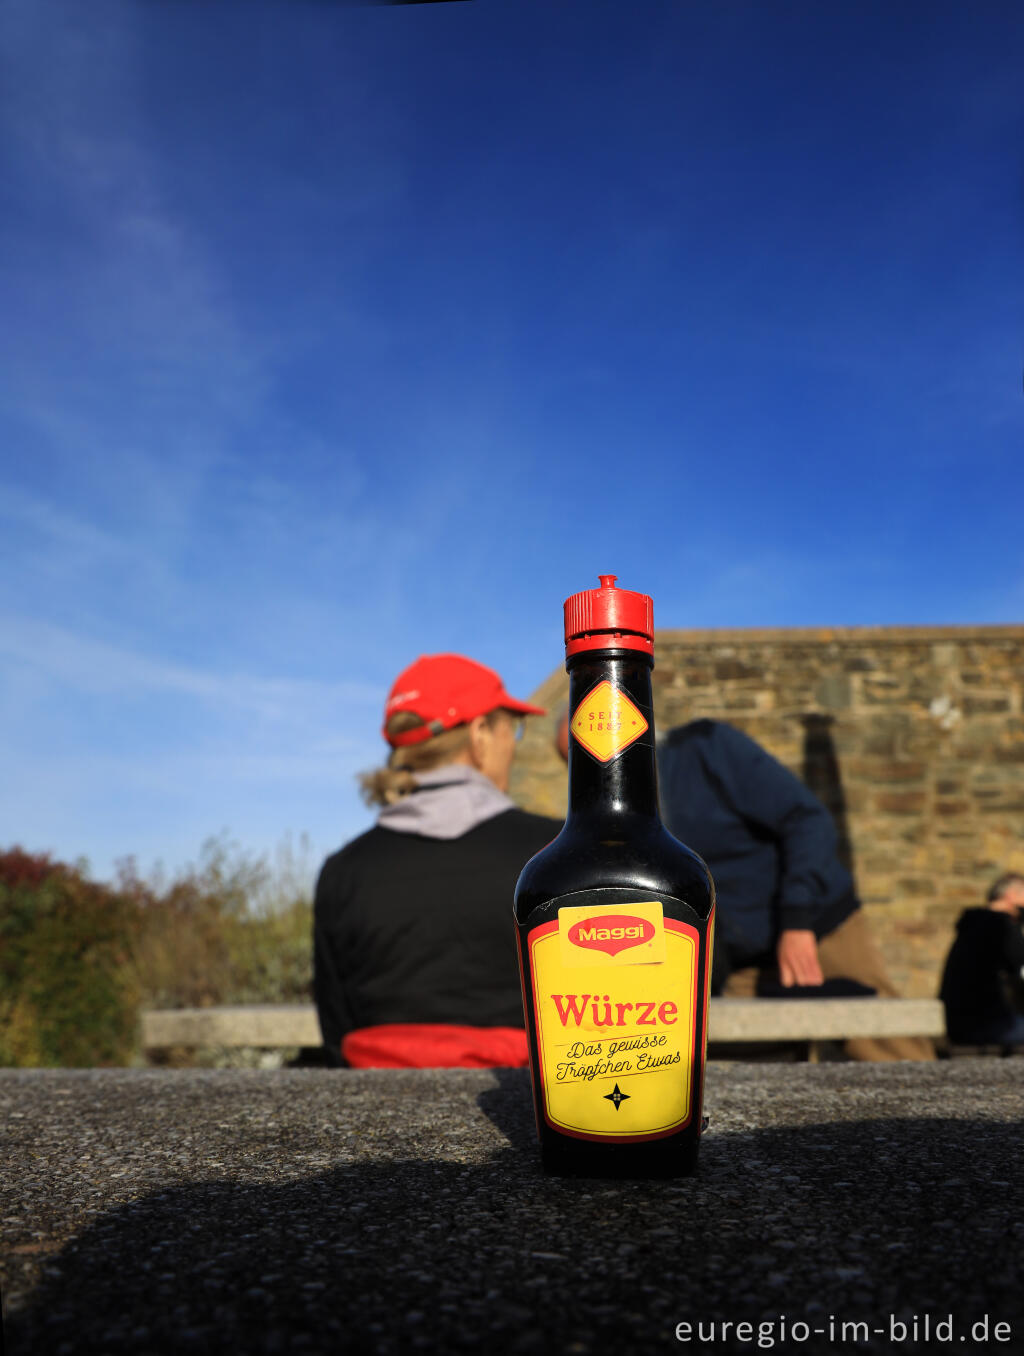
(901, 802)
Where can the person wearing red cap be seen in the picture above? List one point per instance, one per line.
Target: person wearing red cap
(414, 949)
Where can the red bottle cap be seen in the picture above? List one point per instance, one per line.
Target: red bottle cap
(609, 618)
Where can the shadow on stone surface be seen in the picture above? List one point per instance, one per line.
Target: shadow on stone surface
(822, 775)
(509, 1108)
(846, 1222)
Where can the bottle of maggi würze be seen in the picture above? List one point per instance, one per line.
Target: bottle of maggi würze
(615, 921)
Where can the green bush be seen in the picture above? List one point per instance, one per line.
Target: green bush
(78, 959)
(270, 942)
(68, 991)
(270, 957)
(229, 930)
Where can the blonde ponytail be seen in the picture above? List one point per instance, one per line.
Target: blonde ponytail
(386, 785)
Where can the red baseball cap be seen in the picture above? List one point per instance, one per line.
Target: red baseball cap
(446, 690)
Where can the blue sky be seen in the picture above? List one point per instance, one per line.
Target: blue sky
(331, 335)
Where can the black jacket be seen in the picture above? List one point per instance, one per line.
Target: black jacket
(987, 953)
(415, 929)
(768, 841)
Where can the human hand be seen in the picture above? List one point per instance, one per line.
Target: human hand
(797, 955)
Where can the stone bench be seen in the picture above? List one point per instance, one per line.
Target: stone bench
(732, 1021)
(267, 1026)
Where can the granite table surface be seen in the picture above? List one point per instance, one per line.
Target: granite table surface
(838, 1207)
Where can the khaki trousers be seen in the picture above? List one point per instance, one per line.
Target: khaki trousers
(850, 952)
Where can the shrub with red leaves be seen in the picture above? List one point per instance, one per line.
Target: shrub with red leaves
(18, 867)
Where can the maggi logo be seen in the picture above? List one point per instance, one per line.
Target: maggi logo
(611, 933)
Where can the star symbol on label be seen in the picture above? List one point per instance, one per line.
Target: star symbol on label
(616, 1098)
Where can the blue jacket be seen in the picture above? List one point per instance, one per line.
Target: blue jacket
(768, 841)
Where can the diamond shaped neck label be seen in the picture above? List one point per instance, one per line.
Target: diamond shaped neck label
(606, 722)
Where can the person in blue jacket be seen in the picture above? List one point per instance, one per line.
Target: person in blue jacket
(788, 914)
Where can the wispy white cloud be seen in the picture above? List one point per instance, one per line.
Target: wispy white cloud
(91, 666)
(40, 519)
(155, 404)
(127, 349)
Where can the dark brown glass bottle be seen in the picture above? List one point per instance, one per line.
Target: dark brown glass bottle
(615, 920)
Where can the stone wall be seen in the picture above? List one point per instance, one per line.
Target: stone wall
(914, 738)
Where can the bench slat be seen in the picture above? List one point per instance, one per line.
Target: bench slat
(823, 1019)
(269, 1025)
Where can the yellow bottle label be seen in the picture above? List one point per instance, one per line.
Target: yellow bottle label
(616, 1007)
(606, 722)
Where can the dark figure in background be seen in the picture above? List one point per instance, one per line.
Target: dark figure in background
(414, 950)
(788, 915)
(983, 969)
